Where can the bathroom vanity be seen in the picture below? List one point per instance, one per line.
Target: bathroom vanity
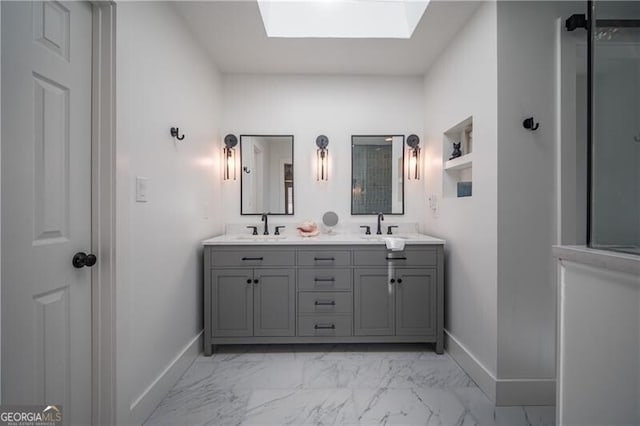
(322, 290)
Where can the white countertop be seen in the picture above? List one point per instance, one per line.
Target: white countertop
(338, 238)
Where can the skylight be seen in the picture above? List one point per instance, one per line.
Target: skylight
(341, 18)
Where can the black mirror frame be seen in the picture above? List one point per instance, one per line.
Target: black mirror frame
(293, 197)
(403, 181)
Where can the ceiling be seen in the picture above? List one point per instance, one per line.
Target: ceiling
(234, 35)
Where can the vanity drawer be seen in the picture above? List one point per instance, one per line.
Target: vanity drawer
(325, 302)
(253, 258)
(324, 258)
(319, 279)
(409, 257)
(325, 325)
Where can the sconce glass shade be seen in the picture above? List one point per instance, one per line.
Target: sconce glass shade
(322, 160)
(229, 163)
(323, 165)
(414, 164)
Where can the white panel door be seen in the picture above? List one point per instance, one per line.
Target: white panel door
(46, 211)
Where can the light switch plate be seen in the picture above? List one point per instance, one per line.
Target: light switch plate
(142, 186)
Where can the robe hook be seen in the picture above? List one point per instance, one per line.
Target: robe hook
(174, 133)
(530, 124)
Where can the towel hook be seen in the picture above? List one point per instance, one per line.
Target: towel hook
(530, 124)
(174, 133)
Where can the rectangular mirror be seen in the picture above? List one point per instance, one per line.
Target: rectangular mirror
(266, 175)
(377, 174)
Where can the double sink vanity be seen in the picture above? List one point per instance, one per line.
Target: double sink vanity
(335, 287)
(341, 288)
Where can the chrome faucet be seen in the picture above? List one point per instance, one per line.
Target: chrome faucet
(265, 219)
(380, 218)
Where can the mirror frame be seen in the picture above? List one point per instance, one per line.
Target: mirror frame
(293, 197)
(404, 150)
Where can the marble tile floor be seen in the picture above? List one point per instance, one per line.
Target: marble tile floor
(334, 385)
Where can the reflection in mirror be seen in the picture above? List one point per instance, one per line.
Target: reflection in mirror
(266, 174)
(377, 178)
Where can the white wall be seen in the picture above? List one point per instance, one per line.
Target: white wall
(164, 79)
(463, 83)
(501, 69)
(336, 106)
(527, 73)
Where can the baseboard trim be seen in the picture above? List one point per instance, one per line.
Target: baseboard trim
(148, 400)
(478, 372)
(526, 392)
(504, 392)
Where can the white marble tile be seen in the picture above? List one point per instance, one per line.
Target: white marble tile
(300, 407)
(410, 407)
(268, 374)
(202, 406)
(487, 414)
(428, 373)
(365, 373)
(334, 384)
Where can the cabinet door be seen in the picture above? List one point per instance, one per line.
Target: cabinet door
(373, 302)
(232, 302)
(274, 302)
(415, 302)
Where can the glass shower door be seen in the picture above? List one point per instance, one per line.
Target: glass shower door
(614, 211)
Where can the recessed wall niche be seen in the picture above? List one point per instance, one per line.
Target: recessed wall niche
(457, 176)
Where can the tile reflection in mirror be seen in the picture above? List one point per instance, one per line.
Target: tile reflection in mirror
(377, 174)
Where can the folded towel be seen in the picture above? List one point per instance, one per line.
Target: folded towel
(394, 244)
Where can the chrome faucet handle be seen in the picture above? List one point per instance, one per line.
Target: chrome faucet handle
(368, 229)
(255, 229)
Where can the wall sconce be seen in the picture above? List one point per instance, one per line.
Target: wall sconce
(230, 141)
(414, 157)
(322, 166)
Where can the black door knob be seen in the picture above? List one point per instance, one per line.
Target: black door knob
(392, 281)
(249, 281)
(255, 281)
(81, 259)
(399, 280)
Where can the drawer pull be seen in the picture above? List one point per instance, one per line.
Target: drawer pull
(324, 326)
(252, 258)
(324, 259)
(324, 280)
(325, 303)
(396, 258)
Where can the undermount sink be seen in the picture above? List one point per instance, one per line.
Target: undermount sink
(260, 237)
(382, 237)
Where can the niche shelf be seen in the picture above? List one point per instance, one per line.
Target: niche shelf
(459, 163)
(457, 176)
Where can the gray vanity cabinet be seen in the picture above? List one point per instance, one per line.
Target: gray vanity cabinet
(274, 306)
(253, 302)
(396, 302)
(415, 302)
(313, 294)
(250, 294)
(374, 306)
(231, 302)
